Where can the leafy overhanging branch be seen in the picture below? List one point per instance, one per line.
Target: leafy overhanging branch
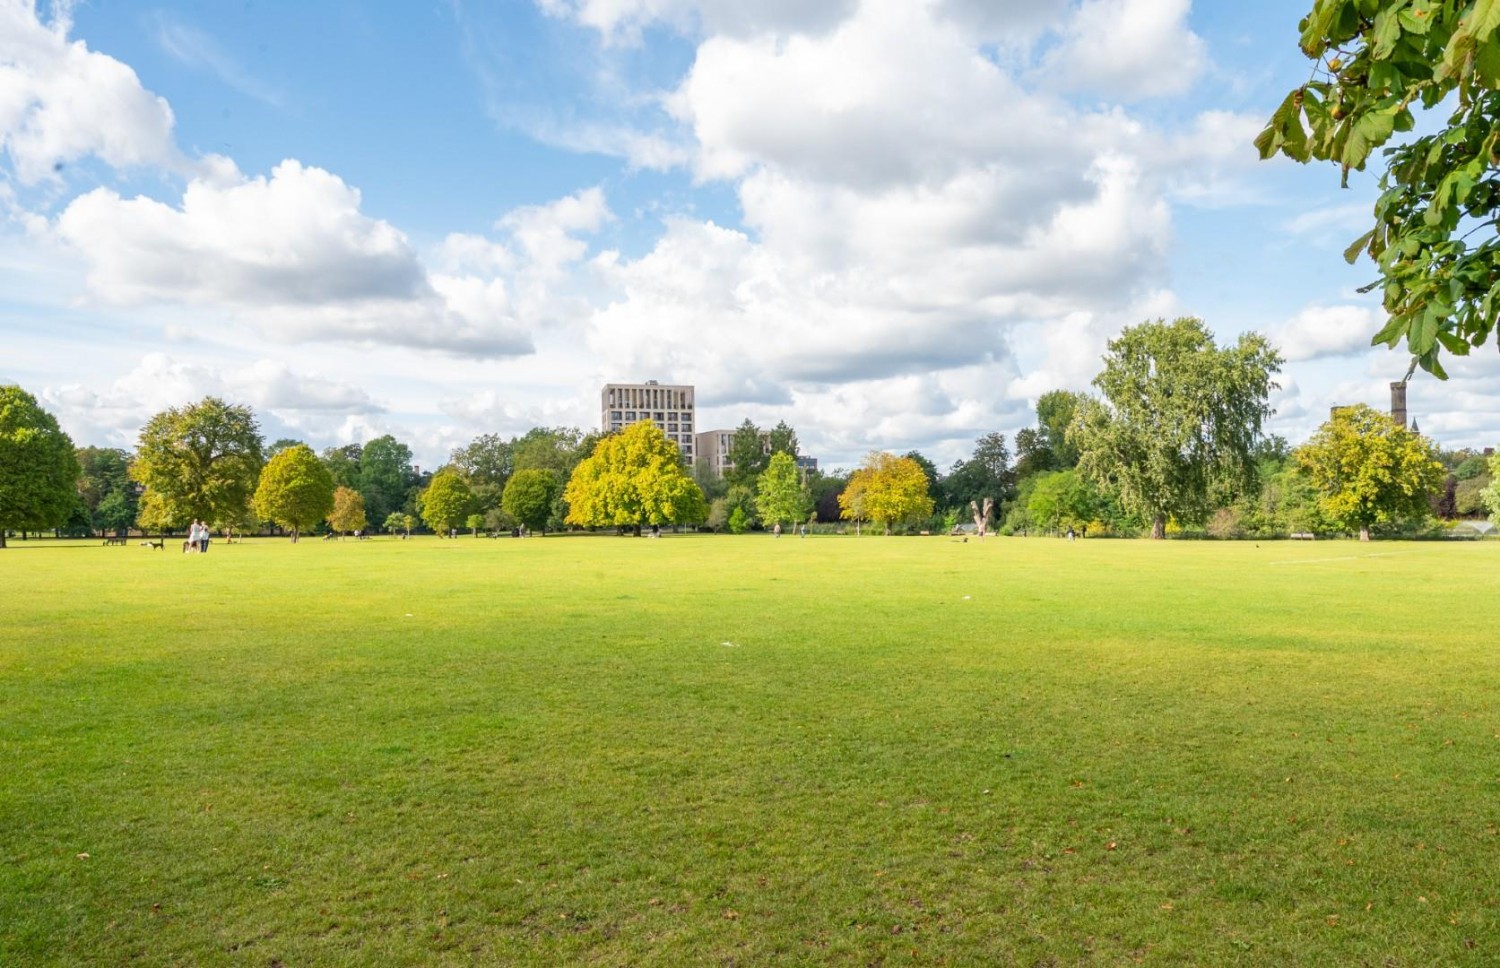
(1434, 240)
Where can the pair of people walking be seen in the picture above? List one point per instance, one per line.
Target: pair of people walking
(197, 539)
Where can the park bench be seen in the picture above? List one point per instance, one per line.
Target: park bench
(1303, 536)
(114, 540)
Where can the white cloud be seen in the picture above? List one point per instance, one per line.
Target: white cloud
(61, 102)
(548, 234)
(1127, 50)
(894, 94)
(296, 238)
(291, 255)
(1323, 331)
(621, 21)
(158, 381)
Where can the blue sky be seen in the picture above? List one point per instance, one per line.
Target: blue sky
(892, 223)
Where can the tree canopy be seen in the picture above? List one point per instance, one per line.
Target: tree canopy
(487, 459)
(782, 439)
(295, 490)
(887, 489)
(1055, 410)
(529, 496)
(38, 467)
(1180, 418)
(748, 454)
(348, 512)
(633, 478)
(986, 474)
(1060, 500)
(200, 461)
(780, 494)
(447, 500)
(1490, 496)
(105, 488)
(1369, 470)
(343, 464)
(1434, 237)
(385, 474)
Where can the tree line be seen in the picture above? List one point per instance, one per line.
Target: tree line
(1172, 442)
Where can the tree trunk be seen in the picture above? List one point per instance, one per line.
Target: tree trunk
(294, 536)
(1158, 527)
(1364, 532)
(2, 537)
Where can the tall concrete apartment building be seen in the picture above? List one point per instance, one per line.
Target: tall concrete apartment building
(669, 407)
(714, 445)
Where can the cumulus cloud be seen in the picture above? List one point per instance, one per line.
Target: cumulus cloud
(894, 94)
(621, 21)
(292, 255)
(296, 238)
(1127, 50)
(61, 102)
(158, 381)
(1324, 331)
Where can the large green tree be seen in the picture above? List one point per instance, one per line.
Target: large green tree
(748, 454)
(1369, 470)
(38, 468)
(986, 474)
(1055, 411)
(105, 488)
(343, 464)
(1491, 495)
(295, 490)
(447, 501)
(1180, 419)
(385, 475)
(782, 439)
(1060, 500)
(487, 459)
(1434, 237)
(634, 478)
(529, 497)
(487, 462)
(780, 495)
(555, 449)
(200, 461)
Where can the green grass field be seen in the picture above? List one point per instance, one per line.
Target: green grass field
(712, 750)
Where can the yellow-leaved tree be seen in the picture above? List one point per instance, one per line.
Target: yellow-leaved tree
(348, 511)
(1369, 470)
(887, 489)
(634, 478)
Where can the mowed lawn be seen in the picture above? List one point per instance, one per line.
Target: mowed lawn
(715, 750)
